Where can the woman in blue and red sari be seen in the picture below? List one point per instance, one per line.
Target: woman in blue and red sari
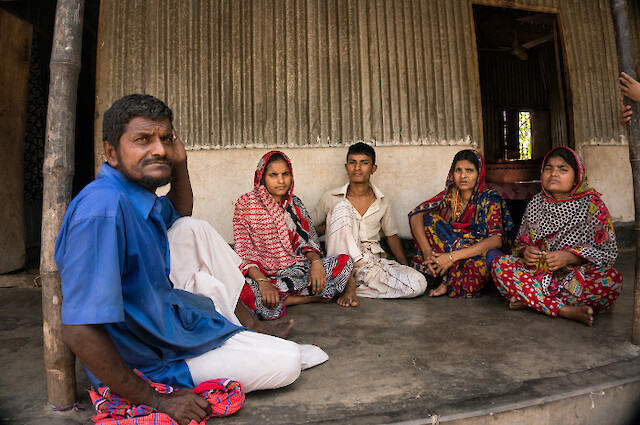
(457, 233)
(565, 248)
(281, 256)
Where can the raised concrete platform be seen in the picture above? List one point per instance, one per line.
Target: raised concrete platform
(419, 361)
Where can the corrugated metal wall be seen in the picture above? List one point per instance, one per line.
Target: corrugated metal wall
(242, 73)
(296, 72)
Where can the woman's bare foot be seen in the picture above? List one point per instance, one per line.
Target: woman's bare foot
(349, 298)
(439, 291)
(301, 299)
(514, 304)
(280, 329)
(579, 313)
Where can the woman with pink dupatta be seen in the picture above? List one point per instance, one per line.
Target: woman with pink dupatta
(282, 259)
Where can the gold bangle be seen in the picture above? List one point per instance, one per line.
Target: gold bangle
(261, 280)
(318, 259)
(451, 258)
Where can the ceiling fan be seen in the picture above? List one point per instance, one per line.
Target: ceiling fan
(520, 50)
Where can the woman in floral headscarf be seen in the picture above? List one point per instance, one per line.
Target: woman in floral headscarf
(282, 258)
(457, 233)
(565, 248)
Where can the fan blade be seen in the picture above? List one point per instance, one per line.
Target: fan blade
(537, 41)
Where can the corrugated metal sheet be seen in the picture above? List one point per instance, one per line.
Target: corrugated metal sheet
(248, 73)
(295, 72)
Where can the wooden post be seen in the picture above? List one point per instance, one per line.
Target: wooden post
(58, 172)
(620, 13)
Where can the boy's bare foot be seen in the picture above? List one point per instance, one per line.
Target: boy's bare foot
(349, 298)
(439, 291)
(514, 304)
(579, 313)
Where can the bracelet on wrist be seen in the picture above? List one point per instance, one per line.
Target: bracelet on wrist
(317, 259)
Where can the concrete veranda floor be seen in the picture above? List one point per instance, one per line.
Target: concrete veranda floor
(392, 361)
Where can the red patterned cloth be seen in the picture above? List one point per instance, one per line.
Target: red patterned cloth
(268, 234)
(224, 395)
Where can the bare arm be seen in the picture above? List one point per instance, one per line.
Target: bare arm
(417, 229)
(481, 247)
(96, 350)
(321, 229)
(270, 295)
(445, 260)
(181, 195)
(395, 244)
(317, 275)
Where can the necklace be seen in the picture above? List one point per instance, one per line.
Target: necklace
(458, 204)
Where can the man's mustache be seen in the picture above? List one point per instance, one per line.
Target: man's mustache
(157, 161)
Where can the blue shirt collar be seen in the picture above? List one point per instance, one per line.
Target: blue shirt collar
(140, 197)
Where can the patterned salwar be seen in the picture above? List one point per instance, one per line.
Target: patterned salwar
(579, 224)
(275, 238)
(449, 228)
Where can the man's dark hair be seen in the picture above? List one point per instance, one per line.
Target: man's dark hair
(467, 155)
(565, 154)
(127, 108)
(364, 149)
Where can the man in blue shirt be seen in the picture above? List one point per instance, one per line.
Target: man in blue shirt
(120, 310)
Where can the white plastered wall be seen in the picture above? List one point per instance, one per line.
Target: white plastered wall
(609, 172)
(406, 174)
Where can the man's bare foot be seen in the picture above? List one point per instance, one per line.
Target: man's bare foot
(301, 299)
(250, 321)
(439, 291)
(280, 329)
(514, 304)
(349, 298)
(579, 313)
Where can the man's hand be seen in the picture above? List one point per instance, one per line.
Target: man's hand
(179, 153)
(96, 350)
(531, 255)
(629, 87)
(181, 195)
(183, 406)
(317, 277)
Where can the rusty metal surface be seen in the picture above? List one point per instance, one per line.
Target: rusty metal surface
(258, 73)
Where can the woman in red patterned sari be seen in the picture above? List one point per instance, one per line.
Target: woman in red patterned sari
(458, 232)
(282, 258)
(565, 248)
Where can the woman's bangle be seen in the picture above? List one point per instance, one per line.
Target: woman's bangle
(317, 259)
(261, 280)
(451, 258)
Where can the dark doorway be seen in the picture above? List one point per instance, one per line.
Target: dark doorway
(41, 15)
(522, 82)
(526, 107)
